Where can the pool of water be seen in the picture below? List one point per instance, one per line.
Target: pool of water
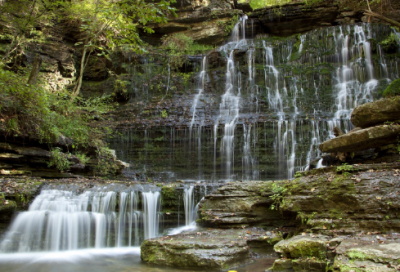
(97, 260)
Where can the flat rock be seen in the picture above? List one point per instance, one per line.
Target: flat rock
(369, 253)
(377, 112)
(362, 139)
(204, 248)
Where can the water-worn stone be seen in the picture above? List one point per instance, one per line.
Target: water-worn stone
(281, 265)
(352, 199)
(369, 114)
(362, 139)
(207, 249)
(303, 246)
(241, 204)
(369, 253)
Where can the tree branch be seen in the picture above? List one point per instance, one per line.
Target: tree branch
(381, 17)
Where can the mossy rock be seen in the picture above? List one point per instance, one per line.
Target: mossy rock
(303, 246)
(281, 265)
(393, 89)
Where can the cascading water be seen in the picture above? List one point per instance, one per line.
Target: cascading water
(59, 220)
(150, 214)
(188, 201)
(289, 93)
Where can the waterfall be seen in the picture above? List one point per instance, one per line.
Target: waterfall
(150, 214)
(188, 201)
(201, 86)
(289, 93)
(230, 100)
(59, 220)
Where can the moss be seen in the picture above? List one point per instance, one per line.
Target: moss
(170, 196)
(393, 89)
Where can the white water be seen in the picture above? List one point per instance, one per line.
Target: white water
(60, 220)
(188, 201)
(230, 101)
(150, 214)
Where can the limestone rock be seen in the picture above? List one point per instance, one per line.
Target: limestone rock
(303, 246)
(362, 139)
(295, 17)
(241, 204)
(281, 265)
(369, 114)
(369, 253)
(361, 198)
(206, 249)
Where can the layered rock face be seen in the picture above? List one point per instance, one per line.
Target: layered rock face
(376, 127)
(206, 249)
(17, 159)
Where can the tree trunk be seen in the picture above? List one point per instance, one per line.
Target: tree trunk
(80, 77)
(37, 63)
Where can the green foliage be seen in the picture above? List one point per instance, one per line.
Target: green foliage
(59, 160)
(344, 168)
(164, 114)
(298, 174)
(278, 191)
(22, 17)
(390, 44)
(305, 218)
(179, 47)
(231, 24)
(106, 160)
(82, 157)
(393, 89)
(180, 44)
(255, 4)
(31, 111)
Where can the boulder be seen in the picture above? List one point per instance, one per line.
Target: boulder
(369, 114)
(362, 139)
(303, 246)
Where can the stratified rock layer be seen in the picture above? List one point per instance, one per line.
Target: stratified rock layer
(362, 139)
(369, 114)
(240, 204)
(211, 249)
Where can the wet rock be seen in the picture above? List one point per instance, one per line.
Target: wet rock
(349, 200)
(369, 114)
(362, 139)
(303, 246)
(295, 17)
(241, 204)
(281, 265)
(203, 248)
(368, 253)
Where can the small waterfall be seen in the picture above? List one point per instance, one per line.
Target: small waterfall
(201, 86)
(272, 81)
(230, 101)
(188, 201)
(59, 220)
(151, 208)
